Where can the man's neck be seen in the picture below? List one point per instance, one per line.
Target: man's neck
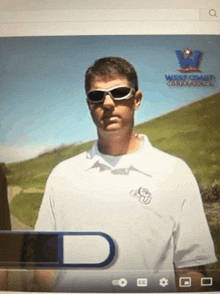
(118, 143)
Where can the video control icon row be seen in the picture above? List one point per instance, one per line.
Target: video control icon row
(163, 282)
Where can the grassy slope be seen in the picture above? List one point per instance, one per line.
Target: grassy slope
(33, 173)
(191, 132)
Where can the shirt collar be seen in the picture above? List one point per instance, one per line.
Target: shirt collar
(131, 161)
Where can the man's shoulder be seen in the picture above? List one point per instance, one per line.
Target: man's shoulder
(167, 157)
(164, 156)
(71, 165)
(171, 161)
(163, 161)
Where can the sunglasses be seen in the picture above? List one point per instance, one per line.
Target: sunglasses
(116, 93)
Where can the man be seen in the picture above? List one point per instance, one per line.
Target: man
(146, 200)
(5, 221)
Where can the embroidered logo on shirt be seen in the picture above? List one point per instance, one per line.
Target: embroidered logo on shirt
(143, 194)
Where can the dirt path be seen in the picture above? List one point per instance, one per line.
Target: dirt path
(15, 223)
(18, 280)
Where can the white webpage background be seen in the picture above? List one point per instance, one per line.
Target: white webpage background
(37, 18)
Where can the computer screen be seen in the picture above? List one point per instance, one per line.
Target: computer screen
(110, 146)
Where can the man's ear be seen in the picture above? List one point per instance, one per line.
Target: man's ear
(137, 99)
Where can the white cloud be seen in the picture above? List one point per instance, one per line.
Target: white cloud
(20, 153)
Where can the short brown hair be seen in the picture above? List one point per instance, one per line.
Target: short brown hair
(109, 66)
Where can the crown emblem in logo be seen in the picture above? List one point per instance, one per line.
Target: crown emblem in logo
(188, 60)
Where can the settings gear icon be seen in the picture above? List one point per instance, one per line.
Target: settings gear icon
(164, 282)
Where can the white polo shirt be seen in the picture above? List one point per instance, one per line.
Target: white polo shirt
(147, 201)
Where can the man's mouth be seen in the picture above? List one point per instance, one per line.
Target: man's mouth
(110, 117)
(113, 118)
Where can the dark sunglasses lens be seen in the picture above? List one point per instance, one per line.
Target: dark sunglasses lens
(120, 92)
(96, 96)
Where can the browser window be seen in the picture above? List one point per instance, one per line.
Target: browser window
(84, 219)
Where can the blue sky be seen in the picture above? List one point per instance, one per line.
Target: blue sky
(42, 84)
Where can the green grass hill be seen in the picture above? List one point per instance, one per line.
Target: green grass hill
(193, 134)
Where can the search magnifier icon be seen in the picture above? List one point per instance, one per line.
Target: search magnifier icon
(212, 12)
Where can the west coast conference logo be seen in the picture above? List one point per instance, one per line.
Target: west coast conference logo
(189, 62)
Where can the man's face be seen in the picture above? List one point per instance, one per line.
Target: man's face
(111, 115)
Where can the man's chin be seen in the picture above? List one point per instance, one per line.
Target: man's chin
(112, 129)
(112, 132)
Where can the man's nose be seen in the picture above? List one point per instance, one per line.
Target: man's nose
(108, 101)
